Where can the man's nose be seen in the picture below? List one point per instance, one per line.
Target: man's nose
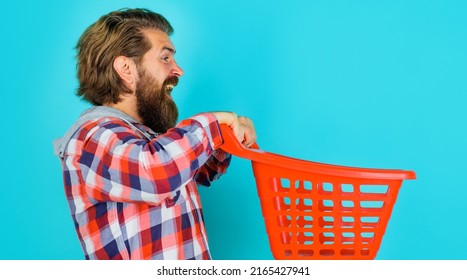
(177, 71)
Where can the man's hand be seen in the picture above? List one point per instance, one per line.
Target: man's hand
(242, 127)
(249, 133)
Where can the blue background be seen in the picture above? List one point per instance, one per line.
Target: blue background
(362, 83)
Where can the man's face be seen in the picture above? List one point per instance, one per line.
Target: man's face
(158, 75)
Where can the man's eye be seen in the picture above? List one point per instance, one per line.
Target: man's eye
(165, 58)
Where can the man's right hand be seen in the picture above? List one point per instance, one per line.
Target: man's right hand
(242, 127)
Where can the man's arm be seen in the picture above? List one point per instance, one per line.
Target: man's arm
(118, 165)
(215, 167)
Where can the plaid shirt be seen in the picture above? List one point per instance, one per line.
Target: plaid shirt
(135, 198)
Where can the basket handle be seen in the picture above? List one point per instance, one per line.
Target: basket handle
(233, 146)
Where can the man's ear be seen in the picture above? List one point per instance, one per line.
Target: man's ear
(126, 70)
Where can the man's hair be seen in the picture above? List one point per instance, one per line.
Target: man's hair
(119, 33)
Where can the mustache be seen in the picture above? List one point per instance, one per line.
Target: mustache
(171, 81)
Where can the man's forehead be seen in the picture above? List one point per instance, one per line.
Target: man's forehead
(159, 40)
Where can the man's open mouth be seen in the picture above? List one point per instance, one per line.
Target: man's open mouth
(169, 87)
(168, 90)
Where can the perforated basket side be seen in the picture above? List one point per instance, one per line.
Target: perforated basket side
(314, 216)
(314, 210)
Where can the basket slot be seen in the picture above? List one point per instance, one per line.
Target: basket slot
(326, 222)
(304, 205)
(287, 253)
(374, 189)
(347, 238)
(280, 184)
(367, 237)
(347, 189)
(305, 238)
(347, 206)
(325, 188)
(347, 222)
(306, 253)
(284, 220)
(279, 204)
(372, 205)
(326, 252)
(326, 205)
(365, 252)
(347, 252)
(326, 238)
(286, 237)
(282, 203)
(369, 221)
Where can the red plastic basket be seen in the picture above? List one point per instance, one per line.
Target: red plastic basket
(320, 211)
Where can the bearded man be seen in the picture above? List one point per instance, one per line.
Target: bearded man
(130, 171)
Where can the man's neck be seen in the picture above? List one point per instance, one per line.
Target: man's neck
(127, 106)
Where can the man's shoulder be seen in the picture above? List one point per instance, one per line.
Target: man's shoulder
(98, 135)
(103, 125)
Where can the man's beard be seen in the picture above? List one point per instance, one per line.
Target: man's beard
(157, 110)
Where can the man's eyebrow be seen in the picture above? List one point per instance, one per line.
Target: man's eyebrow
(169, 49)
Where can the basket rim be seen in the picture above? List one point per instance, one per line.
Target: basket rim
(256, 155)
